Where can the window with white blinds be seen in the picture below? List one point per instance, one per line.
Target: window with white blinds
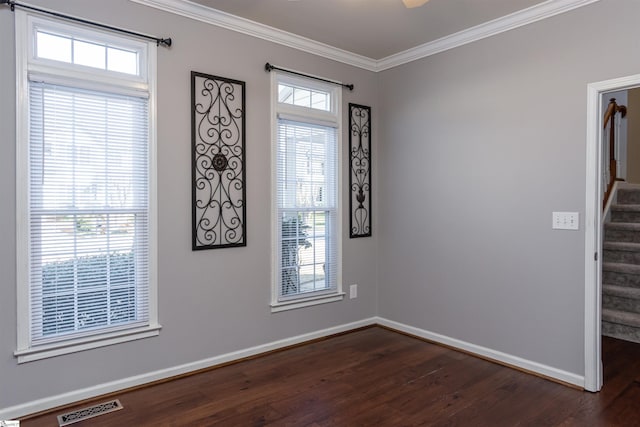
(86, 198)
(307, 217)
(88, 215)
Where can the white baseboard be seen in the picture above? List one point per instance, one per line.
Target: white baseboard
(39, 405)
(21, 410)
(498, 356)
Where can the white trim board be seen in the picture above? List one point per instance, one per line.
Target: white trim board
(487, 353)
(46, 403)
(218, 18)
(593, 220)
(114, 386)
(535, 13)
(505, 23)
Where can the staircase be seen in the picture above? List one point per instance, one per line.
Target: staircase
(621, 268)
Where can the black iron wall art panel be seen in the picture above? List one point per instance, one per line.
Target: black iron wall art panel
(218, 155)
(360, 170)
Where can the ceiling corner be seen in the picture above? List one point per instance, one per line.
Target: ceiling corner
(218, 18)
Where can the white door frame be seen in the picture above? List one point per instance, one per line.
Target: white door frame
(593, 234)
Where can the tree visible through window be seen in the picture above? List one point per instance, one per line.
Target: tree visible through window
(85, 188)
(88, 209)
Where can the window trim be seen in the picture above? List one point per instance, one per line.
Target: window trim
(57, 27)
(25, 24)
(327, 118)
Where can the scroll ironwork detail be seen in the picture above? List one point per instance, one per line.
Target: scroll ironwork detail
(360, 170)
(218, 162)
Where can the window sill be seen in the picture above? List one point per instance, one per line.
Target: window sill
(305, 302)
(85, 343)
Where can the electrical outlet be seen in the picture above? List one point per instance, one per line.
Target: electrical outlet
(566, 221)
(353, 291)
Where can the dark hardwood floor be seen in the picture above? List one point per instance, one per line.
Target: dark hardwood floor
(377, 377)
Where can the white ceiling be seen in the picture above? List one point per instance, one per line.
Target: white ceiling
(372, 28)
(371, 34)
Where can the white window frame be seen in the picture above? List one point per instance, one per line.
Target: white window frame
(312, 116)
(27, 64)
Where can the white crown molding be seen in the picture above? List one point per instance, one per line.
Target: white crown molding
(245, 26)
(523, 17)
(514, 20)
(205, 14)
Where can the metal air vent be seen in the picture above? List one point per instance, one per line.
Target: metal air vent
(89, 412)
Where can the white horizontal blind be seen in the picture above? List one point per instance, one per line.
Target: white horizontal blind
(306, 208)
(88, 212)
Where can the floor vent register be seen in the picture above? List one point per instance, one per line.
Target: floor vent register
(89, 412)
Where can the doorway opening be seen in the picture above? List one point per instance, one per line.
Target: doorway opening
(597, 92)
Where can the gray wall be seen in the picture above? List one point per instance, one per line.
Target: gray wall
(475, 147)
(480, 144)
(211, 302)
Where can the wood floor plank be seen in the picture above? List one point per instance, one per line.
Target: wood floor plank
(377, 377)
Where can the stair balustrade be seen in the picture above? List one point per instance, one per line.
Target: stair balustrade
(611, 167)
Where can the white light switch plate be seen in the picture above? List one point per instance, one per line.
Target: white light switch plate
(353, 291)
(566, 221)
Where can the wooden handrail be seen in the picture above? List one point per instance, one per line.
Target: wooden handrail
(612, 109)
